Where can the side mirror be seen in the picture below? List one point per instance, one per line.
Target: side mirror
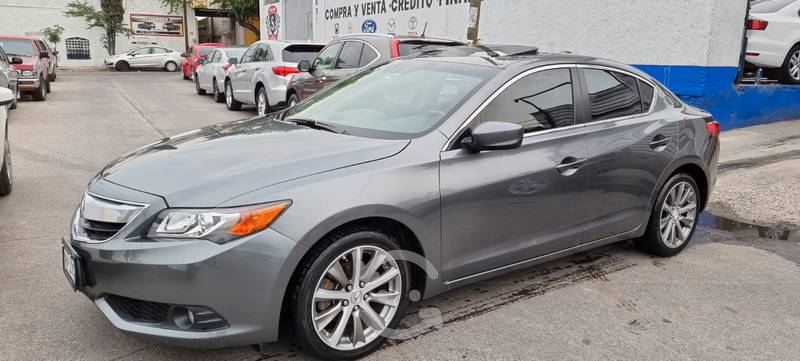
(6, 97)
(233, 61)
(494, 136)
(16, 60)
(304, 66)
(44, 55)
(183, 55)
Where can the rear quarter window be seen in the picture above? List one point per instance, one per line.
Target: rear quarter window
(769, 6)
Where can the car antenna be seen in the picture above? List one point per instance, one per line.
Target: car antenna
(424, 29)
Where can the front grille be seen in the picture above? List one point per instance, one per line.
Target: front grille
(98, 231)
(134, 310)
(165, 315)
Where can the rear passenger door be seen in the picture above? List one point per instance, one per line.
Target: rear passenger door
(631, 141)
(506, 206)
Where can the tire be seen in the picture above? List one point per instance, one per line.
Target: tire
(218, 97)
(230, 101)
(16, 99)
(122, 66)
(313, 276)
(52, 77)
(292, 100)
(669, 242)
(40, 94)
(5, 170)
(262, 102)
(197, 87)
(170, 66)
(47, 86)
(790, 71)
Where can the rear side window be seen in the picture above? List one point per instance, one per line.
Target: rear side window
(539, 101)
(160, 51)
(367, 56)
(350, 55)
(769, 6)
(612, 94)
(418, 46)
(646, 93)
(297, 53)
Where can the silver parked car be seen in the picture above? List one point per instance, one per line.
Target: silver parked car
(145, 57)
(9, 78)
(263, 73)
(213, 70)
(7, 97)
(480, 160)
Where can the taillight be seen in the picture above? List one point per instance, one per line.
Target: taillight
(757, 24)
(284, 70)
(713, 128)
(226, 67)
(395, 45)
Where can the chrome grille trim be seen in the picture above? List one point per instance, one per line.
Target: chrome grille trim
(103, 211)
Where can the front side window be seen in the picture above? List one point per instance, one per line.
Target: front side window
(248, 55)
(326, 58)
(20, 47)
(142, 51)
(612, 94)
(538, 101)
(350, 55)
(398, 100)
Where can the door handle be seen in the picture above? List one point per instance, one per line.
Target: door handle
(570, 165)
(659, 141)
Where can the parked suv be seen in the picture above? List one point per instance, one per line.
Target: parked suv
(34, 76)
(773, 39)
(349, 54)
(8, 76)
(190, 60)
(310, 218)
(263, 73)
(145, 57)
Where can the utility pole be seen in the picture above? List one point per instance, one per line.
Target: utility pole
(185, 26)
(474, 20)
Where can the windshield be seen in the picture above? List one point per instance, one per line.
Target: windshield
(205, 50)
(18, 47)
(401, 99)
(769, 6)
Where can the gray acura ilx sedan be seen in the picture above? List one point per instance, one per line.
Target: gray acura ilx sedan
(481, 160)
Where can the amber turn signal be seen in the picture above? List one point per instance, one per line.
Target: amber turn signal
(257, 219)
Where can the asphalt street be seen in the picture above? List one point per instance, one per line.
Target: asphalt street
(732, 294)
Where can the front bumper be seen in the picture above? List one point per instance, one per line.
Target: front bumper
(242, 281)
(28, 85)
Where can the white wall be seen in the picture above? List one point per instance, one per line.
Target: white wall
(28, 17)
(675, 32)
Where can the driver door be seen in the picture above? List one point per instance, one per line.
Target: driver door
(507, 206)
(141, 57)
(322, 65)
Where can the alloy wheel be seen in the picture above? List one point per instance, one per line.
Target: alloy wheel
(794, 65)
(228, 94)
(171, 67)
(262, 103)
(356, 298)
(678, 214)
(214, 89)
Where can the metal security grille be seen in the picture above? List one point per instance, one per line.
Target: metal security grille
(78, 49)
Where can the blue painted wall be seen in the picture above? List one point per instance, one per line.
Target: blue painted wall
(712, 88)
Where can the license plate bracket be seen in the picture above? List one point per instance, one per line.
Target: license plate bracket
(70, 263)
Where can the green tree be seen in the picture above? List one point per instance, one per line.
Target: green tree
(242, 10)
(110, 18)
(53, 34)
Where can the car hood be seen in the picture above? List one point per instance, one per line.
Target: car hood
(28, 62)
(206, 167)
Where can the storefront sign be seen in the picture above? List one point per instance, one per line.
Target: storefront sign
(156, 25)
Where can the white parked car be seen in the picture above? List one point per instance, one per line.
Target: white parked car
(214, 67)
(773, 39)
(145, 57)
(263, 73)
(6, 98)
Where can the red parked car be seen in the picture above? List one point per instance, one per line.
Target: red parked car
(191, 58)
(34, 72)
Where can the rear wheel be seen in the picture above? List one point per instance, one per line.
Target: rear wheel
(230, 101)
(262, 104)
(170, 66)
(16, 99)
(40, 94)
(122, 66)
(291, 101)
(197, 87)
(790, 71)
(348, 292)
(5, 170)
(673, 218)
(218, 96)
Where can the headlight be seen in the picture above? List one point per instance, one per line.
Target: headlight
(27, 74)
(219, 225)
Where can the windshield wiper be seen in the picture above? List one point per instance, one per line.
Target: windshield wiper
(315, 124)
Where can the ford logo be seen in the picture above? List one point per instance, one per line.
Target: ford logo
(369, 26)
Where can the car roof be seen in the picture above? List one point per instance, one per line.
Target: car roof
(18, 37)
(399, 37)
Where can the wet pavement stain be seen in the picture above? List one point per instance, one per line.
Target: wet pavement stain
(746, 229)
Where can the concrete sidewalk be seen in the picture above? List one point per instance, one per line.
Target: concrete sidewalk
(758, 175)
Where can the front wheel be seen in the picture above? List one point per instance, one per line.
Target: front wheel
(40, 94)
(16, 99)
(5, 170)
(673, 218)
(348, 292)
(122, 66)
(219, 97)
(200, 91)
